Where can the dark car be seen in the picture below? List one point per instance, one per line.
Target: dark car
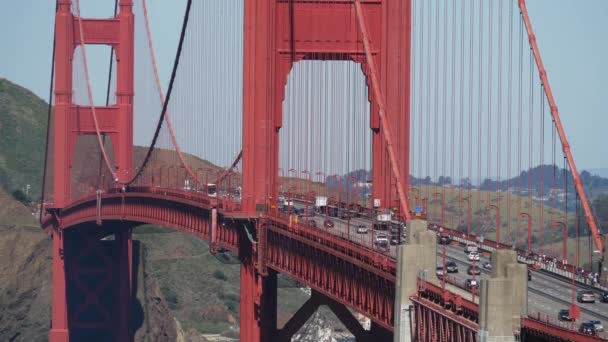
(604, 297)
(395, 241)
(444, 240)
(451, 267)
(328, 224)
(564, 315)
(312, 223)
(471, 272)
(529, 275)
(587, 328)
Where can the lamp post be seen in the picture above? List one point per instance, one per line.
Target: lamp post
(417, 191)
(564, 226)
(440, 195)
(281, 177)
(308, 190)
(467, 199)
(424, 206)
(289, 174)
(490, 206)
(322, 180)
(522, 214)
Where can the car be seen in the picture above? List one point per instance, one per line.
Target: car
(471, 271)
(586, 296)
(471, 284)
(381, 240)
(470, 247)
(564, 315)
(451, 267)
(439, 271)
(312, 223)
(487, 265)
(328, 224)
(473, 256)
(444, 240)
(361, 229)
(529, 275)
(395, 241)
(604, 297)
(598, 325)
(587, 328)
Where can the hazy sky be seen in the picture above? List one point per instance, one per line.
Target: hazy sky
(571, 35)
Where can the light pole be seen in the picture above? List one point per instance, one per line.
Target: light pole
(522, 214)
(490, 206)
(467, 199)
(417, 191)
(292, 178)
(556, 224)
(281, 177)
(322, 180)
(440, 195)
(424, 207)
(308, 190)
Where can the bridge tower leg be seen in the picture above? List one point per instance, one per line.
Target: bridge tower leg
(278, 34)
(258, 305)
(59, 316)
(71, 120)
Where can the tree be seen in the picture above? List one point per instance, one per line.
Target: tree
(21, 197)
(600, 208)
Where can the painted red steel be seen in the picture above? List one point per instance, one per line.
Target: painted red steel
(534, 327)
(337, 269)
(597, 238)
(269, 56)
(70, 120)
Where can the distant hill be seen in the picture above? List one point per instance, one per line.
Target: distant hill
(599, 172)
(23, 117)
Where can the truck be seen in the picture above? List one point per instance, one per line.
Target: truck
(320, 203)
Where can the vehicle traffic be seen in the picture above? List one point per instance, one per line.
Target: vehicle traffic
(473, 256)
(471, 271)
(585, 296)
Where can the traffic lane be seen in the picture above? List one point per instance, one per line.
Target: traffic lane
(558, 288)
(539, 300)
(538, 303)
(347, 229)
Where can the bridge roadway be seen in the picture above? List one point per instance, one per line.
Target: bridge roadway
(547, 294)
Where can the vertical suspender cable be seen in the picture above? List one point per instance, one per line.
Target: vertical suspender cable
(381, 112)
(48, 120)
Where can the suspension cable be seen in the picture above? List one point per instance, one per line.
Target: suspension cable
(48, 117)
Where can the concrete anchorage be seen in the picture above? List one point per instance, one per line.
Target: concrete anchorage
(417, 258)
(503, 298)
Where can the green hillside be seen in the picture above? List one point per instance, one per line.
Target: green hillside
(23, 117)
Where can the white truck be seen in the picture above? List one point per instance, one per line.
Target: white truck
(320, 203)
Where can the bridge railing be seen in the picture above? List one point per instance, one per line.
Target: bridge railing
(553, 265)
(550, 326)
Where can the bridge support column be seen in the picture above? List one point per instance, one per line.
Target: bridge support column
(59, 319)
(258, 298)
(503, 298)
(123, 250)
(415, 258)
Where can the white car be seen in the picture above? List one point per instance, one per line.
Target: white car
(361, 229)
(471, 247)
(473, 256)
